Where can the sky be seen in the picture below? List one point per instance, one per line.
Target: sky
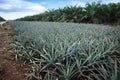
(13, 9)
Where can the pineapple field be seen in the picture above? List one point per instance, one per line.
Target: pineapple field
(59, 40)
(67, 51)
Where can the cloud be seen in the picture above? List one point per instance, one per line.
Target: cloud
(5, 6)
(111, 1)
(14, 15)
(44, 3)
(78, 3)
(12, 9)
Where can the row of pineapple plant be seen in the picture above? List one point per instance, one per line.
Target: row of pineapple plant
(67, 51)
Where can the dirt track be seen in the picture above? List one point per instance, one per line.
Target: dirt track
(13, 70)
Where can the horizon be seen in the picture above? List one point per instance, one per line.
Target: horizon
(13, 9)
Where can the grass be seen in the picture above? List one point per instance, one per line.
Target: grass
(68, 51)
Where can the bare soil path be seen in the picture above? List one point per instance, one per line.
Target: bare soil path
(12, 70)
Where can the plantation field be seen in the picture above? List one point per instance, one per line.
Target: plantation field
(67, 51)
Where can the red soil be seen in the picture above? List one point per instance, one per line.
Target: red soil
(13, 70)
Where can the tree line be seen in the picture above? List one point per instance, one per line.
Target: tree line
(91, 13)
(2, 19)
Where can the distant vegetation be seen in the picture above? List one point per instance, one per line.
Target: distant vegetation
(1, 19)
(91, 13)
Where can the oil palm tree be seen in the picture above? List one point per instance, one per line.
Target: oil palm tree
(90, 11)
(113, 11)
(102, 13)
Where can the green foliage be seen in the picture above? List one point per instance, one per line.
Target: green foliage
(68, 51)
(1, 19)
(91, 13)
(1, 68)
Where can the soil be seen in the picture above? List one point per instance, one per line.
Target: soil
(12, 70)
